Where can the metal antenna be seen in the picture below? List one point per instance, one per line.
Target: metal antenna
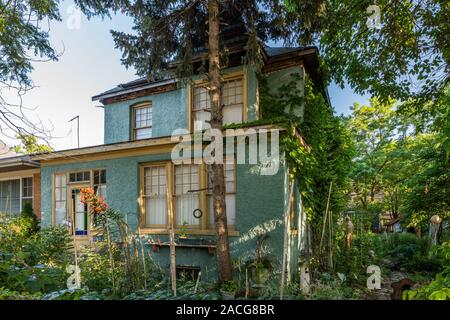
(78, 128)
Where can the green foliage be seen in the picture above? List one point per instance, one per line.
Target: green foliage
(407, 56)
(185, 291)
(439, 288)
(331, 148)
(28, 214)
(73, 294)
(32, 263)
(7, 294)
(30, 145)
(22, 35)
(413, 254)
(402, 155)
(229, 286)
(96, 271)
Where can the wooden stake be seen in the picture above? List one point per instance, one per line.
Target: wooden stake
(198, 281)
(111, 258)
(325, 217)
(173, 266)
(247, 289)
(285, 242)
(144, 266)
(77, 274)
(330, 240)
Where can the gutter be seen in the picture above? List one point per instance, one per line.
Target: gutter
(18, 162)
(133, 89)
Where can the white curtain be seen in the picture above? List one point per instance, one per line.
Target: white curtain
(60, 199)
(187, 194)
(185, 206)
(61, 212)
(155, 196)
(156, 210)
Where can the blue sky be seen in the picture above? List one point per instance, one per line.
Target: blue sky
(89, 64)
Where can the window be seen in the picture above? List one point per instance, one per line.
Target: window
(142, 121)
(82, 176)
(230, 194)
(14, 194)
(60, 199)
(155, 196)
(184, 188)
(27, 191)
(186, 194)
(100, 183)
(10, 196)
(232, 101)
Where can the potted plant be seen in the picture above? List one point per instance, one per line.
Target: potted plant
(182, 234)
(228, 290)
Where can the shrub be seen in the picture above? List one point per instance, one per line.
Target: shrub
(27, 213)
(413, 254)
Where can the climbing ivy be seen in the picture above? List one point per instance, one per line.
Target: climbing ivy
(328, 158)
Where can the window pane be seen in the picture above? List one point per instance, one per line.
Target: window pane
(60, 198)
(232, 114)
(10, 196)
(79, 176)
(232, 100)
(230, 200)
(144, 133)
(27, 187)
(155, 195)
(143, 122)
(187, 195)
(61, 212)
(155, 209)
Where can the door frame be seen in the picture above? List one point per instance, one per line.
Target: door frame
(70, 188)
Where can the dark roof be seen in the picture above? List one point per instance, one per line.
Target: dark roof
(276, 51)
(141, 83)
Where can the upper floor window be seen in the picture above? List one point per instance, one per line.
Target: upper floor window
(142, 121)
(232, 100)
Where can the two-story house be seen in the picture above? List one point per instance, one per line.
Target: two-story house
(134, 170)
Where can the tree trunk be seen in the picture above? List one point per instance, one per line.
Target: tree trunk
(218, 183)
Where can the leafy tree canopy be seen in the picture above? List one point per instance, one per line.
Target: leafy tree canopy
(29, 144)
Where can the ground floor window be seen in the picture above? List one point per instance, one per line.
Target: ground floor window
(230, 194)
(185, 189)
(14, 194)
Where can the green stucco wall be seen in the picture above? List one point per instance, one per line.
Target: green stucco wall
(170, 110)
(260, 204)
(169, 113)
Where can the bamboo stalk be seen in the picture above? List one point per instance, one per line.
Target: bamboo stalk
(330, 240)
(111, 258)
(285, 241)
(173, 270)
(77, 274)
(325, 217)
(197, 282)
(247, 289)
(144, 265)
